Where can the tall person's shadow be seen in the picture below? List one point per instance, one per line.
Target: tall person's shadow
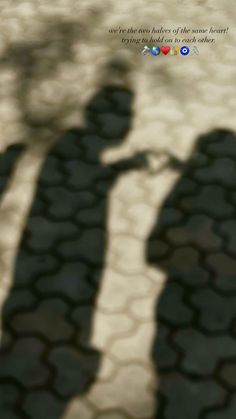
(46, 354)
(193, 242)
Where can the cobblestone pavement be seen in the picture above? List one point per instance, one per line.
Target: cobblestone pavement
(117, 246)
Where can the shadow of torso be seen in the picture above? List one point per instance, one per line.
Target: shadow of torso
(193, 242)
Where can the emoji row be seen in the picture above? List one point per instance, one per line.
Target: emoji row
(176, 50)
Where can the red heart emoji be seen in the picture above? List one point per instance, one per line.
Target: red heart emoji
(165, 50)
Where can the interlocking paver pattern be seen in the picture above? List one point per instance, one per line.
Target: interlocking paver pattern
(117, 244)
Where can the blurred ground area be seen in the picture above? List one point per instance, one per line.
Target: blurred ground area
(54, 58)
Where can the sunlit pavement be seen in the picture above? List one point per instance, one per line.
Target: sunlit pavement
(54, 59)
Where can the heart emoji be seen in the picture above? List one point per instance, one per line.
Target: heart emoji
(165, 50)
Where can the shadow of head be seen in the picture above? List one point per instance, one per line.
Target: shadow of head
(206, 145)
(210, 142)
(108, 119)
(110, 113)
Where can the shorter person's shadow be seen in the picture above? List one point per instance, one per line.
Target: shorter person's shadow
(193, 242)
(46, 354)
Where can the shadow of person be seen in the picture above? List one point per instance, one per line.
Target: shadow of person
(8, 161)
(47, 320)
(193, 242)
